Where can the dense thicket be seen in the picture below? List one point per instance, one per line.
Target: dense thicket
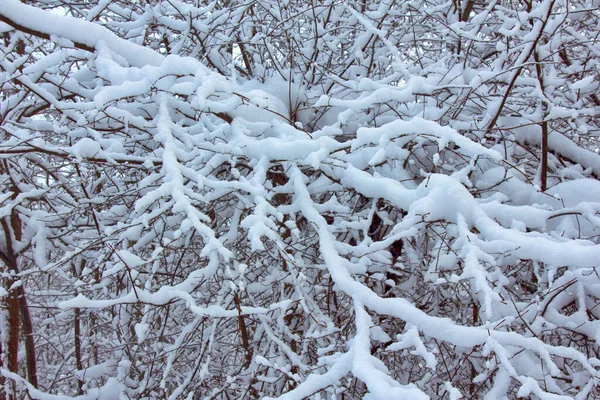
(336, 199)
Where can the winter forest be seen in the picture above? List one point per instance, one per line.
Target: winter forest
(299, 199)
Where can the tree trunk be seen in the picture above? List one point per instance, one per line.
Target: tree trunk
(16, 303)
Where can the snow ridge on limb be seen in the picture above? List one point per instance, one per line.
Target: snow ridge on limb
(83, 34)
(442, 329)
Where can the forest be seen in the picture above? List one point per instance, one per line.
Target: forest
(299, 199)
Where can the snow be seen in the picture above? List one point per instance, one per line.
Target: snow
(366, 217)
(130, 259)
(85, 147)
